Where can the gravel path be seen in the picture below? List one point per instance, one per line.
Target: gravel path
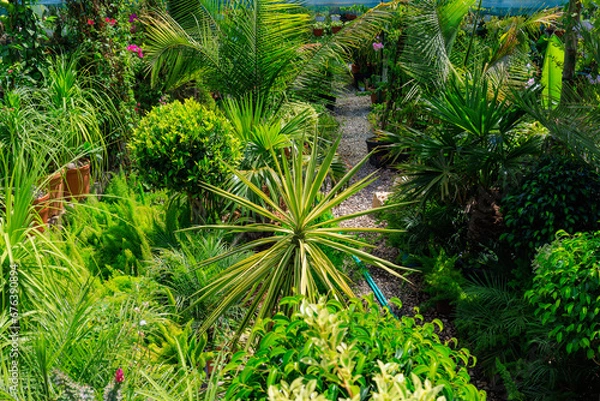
(351, 111)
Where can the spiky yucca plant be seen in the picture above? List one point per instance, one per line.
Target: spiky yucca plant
(289, 258)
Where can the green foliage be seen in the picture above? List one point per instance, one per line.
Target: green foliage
(178, 145)
(559, 194)
(511, 388)
(566, 291)
(103, 32)
(432, 225)
(443, 280)
(115, 232)
(289, 255)
(24, 43)
(493, 318)
(552, 72)
(343, 352)
(177, 269)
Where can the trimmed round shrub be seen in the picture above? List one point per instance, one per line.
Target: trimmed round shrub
(179, 145)
(561, 194)
(356, 352)
(566, 291)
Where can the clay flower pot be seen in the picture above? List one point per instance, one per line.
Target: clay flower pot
(56, 192)
(77, 182)
(40, 205)
(318, 31)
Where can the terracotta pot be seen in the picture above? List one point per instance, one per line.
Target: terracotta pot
(56, 192)
(318, 32)
(378, 97)
(77, 182)
(355, 68)
(40, 205)
(335, 29)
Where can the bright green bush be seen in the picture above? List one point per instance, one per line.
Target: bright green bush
(566, 291)
(560, 194)
(114, 235)
(342, 353)
(179, 144)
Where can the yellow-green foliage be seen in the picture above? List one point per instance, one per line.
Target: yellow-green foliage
(179, 144)
(359, 352)
(114, 232)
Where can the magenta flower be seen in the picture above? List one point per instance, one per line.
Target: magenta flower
(377, 46)
(90, 22)
(119, 376)
(136, 49)
(132, 18)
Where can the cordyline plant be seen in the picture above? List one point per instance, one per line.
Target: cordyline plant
(290, 259)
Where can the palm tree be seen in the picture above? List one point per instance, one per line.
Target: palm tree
(244, 48)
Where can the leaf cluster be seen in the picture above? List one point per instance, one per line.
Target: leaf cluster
(559, 194)
(341, 350)
(177, 145)
(566, 291)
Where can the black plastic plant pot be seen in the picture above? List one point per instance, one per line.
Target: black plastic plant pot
(379, 158)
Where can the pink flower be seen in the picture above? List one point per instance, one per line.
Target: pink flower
(377, 46)
(119, 376)
(132, 18)
(136, 49)
(110, 21)
(90, 22)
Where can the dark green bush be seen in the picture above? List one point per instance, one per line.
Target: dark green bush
(566, 291)
(560, 194)
(342, 352)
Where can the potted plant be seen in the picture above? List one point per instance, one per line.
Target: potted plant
(377, 89)
(318, 28)
(56, 193)
(41, 207)
(336, 26)
(348, 13)
(77, 179)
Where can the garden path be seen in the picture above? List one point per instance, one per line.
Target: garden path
(351, 112)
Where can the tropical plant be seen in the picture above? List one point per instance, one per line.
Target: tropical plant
(559, 194)
(114, 235)
(178, 144)
(478, 147)
(339, 353)
(242, 48)
(566, 292)
(289, 258)
(177, 270)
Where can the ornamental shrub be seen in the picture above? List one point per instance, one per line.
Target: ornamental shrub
(566, 291)
(346, 353)
(179, 145)
(560, 194)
